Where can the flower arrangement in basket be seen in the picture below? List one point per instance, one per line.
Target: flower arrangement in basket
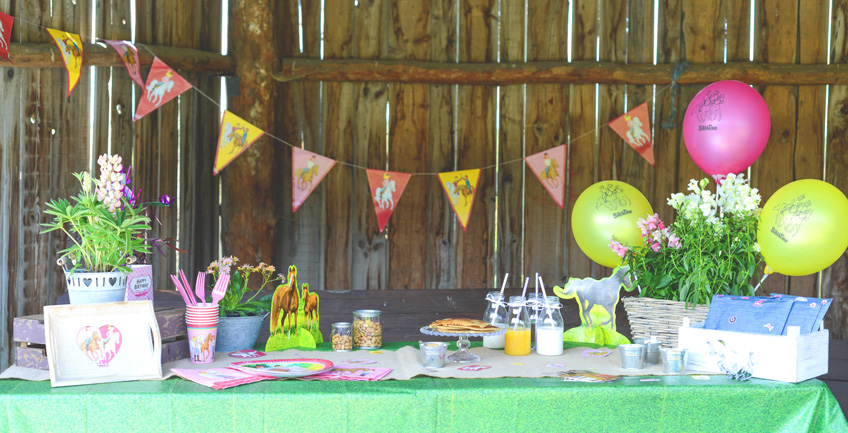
(710, 248)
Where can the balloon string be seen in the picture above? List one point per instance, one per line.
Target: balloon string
(670, 123)
(760, 283)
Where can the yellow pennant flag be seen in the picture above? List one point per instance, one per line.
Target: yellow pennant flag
(236, 136)
(70, 45)
(461, 187)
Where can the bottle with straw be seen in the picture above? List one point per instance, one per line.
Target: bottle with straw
(517, 340)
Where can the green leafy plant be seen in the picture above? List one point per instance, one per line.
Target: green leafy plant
(105, 232)
(240, 299)
(711, 248)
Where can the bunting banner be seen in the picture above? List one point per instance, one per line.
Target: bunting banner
(129, 55)
(308, 169)
(386, 189)
(461, 187)
(548, 167)
(236, 136)
(70, 45)
(163, 84)
(634, 128)
(6, 22)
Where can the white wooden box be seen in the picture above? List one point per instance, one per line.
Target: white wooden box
(787, 358)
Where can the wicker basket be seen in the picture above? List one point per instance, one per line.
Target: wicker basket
(660, 317)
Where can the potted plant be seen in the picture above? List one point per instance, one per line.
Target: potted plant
(241, 311)
(710, 248)
(104, 231)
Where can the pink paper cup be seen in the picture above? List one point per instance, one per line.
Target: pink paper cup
(201, 344)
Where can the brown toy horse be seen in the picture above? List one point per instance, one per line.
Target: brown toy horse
(310, 306)
(287, 300)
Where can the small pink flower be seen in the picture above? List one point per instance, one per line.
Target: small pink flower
(656, 247)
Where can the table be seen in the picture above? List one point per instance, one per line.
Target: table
(425, 404)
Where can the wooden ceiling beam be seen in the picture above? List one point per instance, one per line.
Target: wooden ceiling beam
(578, 72)
(47, 55)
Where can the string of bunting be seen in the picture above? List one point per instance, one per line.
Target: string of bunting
(309, 169)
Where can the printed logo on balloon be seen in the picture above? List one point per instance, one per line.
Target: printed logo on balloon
(790, 216)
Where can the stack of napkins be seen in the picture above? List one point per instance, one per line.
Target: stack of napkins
(766, 315)
(350, 372)
(218, 378)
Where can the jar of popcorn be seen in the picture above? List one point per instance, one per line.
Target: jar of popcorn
(367, 329)
(341, 337)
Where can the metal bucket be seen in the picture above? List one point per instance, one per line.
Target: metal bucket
(96, 287)
(632, 356)
(238, 333)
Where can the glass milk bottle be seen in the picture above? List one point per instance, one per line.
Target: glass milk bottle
(534, 304)
(517, 340)
(549, 328)
(496, 314)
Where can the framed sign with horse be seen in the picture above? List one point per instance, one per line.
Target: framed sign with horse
(98, 343)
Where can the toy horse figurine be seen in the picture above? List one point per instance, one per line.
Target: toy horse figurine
(590, 293)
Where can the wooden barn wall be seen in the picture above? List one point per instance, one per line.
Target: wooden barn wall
(333, 239)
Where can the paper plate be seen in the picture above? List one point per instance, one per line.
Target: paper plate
(283, 367)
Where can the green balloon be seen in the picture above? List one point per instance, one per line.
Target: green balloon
(801, 229)
(605, 210)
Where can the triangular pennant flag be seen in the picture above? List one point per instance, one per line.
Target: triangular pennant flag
(163, 84)
(129, 55)
(6, 22)
(308, 169)
(70, 45)
(386, 189)
(548, 166)
(236, 136)
(635, 128)
(461, 187)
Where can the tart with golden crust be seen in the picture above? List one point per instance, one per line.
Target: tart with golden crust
(453, 325)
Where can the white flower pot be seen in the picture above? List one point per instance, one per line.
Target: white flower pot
(96, 287)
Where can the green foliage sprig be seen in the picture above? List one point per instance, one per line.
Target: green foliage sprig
(240, 299)
(711, 248)
(104, 236)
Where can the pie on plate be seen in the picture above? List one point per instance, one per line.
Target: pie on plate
(451, 325)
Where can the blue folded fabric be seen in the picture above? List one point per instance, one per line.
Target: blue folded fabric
(752, 314)
(806, 313)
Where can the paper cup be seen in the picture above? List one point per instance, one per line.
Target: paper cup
(201, 344)
(201, 317)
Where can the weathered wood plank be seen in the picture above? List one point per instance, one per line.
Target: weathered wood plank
(670, 110)
(441, 228)
(113, 114)
(581, 121)
(511, 179)
(635, 170)
(778, 24)
(369, 257)
(476, 145)
(808, 149)
(835, 278)
(248, 206)
(408, 145)
(341, 188)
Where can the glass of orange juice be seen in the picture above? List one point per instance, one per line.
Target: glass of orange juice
(517, 339)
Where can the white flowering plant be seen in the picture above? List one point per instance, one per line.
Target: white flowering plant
(106, 233)
(710, 248)
(240, 298)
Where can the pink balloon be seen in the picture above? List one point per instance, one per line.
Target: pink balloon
(726, 127)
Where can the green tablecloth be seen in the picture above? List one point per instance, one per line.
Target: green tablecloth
(425, 404)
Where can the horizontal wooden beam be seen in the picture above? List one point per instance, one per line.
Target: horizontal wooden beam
(47, 55)
(582, 72)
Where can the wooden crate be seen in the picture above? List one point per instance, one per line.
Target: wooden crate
(31, 351)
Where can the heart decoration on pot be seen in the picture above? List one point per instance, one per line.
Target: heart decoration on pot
(87, 282)
(112, 281)
(100, 344)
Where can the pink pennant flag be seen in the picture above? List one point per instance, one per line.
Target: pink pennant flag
(129, 55)
(386, 189)
(635, 128)
(308, 169)
(163, 84)
(6, 22)
(549, 166)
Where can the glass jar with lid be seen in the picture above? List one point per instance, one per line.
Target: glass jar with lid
(341, 337)
(367, 329)
(549, 328)
(496, 314)
(517, 339)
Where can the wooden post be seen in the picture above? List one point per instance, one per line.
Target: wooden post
(248, 208)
